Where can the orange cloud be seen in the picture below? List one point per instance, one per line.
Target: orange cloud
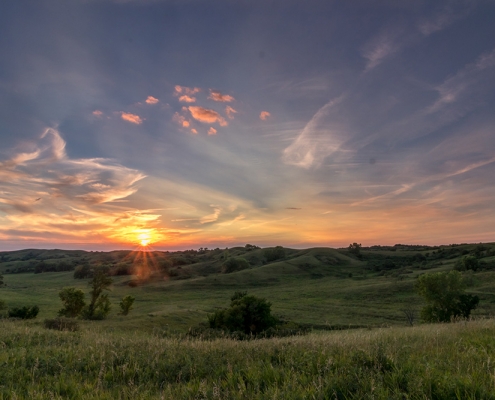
(212, 131)
(215, 95)
(186, 90)
(194, 131)
(264, 115)
(206, 115)
(230, 112)
(97, 113)
(152, 100)
(132, 118)
(187, 99)
(181, 120)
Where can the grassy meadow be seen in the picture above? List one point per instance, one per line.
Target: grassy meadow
(147, 354)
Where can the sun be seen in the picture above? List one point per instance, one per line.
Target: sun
(144, 239)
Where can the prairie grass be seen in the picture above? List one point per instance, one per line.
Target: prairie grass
(444, 361)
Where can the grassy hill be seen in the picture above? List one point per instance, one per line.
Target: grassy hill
(147, 354)
(319, 286)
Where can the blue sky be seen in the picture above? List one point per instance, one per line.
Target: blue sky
(215, 123)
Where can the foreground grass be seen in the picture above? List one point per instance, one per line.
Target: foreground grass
(451, 361)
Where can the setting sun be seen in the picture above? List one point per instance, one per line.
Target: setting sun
(144, 239)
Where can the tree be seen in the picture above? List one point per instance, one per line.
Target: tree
(445, 296)
(99, 306)
(275, 253)
(126, 304)
(355, 248)
(73, 300)
(1, 279)
(3, 306)
(248, 314)
(234, 264)
(467, 263)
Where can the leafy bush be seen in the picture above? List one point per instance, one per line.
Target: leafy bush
(234, 264)
(61, 324)
(247, 314)
(73, 300)
(444, 293)
(126, 304)
(467, 263)
(24, 312)
(276, 253)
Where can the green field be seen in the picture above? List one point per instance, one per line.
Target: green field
(147, 354)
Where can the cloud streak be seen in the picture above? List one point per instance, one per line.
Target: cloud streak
(206, 115)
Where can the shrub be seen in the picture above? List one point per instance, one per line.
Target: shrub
(234, 264)
(24, 312)
(444, 293)
(248, 314)
(276, 253)
(61, 324)
(126, 304)
(73, 300)
(467, 263)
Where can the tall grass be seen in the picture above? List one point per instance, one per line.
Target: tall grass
(450, 361)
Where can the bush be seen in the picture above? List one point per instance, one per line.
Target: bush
(234, 264)
(24, 312)
(444, 293)
(274, 254)
(467, 263)
(126, 304)
(248, 314)
(61, 324)
(73, 300)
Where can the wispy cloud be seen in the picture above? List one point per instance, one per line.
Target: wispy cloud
(212, 131)
(46, 187)
(179, 90)
(132, 118)
(206, 115)
(230, 112)
(97, 113)
(215, 95)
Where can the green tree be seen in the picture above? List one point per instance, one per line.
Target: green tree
(3, 306)
(355, 248)
(445, 296)
(234, 264)
(126, 304)
(467, 263)
(99, 306)
(73, 300)
(1, 279)
(248, 314)
(273, 254)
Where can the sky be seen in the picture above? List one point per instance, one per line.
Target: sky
(187, 123)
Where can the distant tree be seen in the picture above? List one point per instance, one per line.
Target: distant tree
(99, 306)
(83, 271)
(1, 279)
(445, 297)
(410, 314)
(126, 304)
(467, 263)
(355, 248)
(73, 300)
(3, 306)
(274, 254)
(248, 314)
(250, 247)
(24, 312)
(234, 264)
